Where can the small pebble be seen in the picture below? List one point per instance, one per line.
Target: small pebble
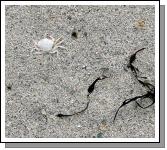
(79, 126)
(100, 135)
(43, 112)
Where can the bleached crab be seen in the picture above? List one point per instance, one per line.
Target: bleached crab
(48, 45)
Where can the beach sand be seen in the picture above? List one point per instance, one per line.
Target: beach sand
(98, 40)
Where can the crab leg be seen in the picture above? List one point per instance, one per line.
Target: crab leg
(36, 48)
(53, 51)
(50, 37)
(58, 41)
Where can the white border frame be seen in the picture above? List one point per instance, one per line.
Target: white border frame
(156, 3)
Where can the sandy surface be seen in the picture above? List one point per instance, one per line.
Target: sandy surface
(38, 87)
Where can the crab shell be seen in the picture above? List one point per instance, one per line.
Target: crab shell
(45, 44)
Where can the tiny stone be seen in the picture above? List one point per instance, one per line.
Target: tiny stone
(69, 18)
(43, 112)
(74, 35)
(100, 135)
(79, 126)
(9, 87)
(84, 67)
(85, 34)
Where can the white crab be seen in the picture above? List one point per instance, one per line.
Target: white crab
(48, 45)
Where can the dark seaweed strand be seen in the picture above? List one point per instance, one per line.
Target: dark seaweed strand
(133, 57)
(147, 95)
(145, 84)
(92, 86)
(84, 108)
(131, 60)
(146, 106)
(76, 113)
(62, 115)
(90, 90)
(125, 103)
(150, 94)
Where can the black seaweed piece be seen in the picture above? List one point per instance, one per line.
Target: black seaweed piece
(131, 60)
(76, 113)
(133, 69)
(146, 84)
(133, 57)
(62, 115)
(151, 88)
(147, 95)
(150, 94)
(125, 103)
(90, 90)
(146, 106)
(92, 86)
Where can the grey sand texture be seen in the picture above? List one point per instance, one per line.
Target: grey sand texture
(98, 40)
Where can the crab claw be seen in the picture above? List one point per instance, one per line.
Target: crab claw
(36, 45)
(49, 36)
(35, 42)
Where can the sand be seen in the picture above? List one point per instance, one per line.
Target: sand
(96, 39)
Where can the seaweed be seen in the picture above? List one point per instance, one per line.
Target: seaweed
(92, 86)
(149, 94)
(63, 115)
(90, 90)
(151, 88)
(131, 60)
(127, 101)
